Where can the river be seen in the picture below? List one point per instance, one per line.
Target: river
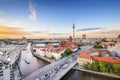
(79, 75)
(35, 63)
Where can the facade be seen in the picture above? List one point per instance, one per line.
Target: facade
(84, 58)
(53, 50)
(118, 39)
(96, 55)
(84, 36)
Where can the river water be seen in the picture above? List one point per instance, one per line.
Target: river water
(79, 75)
(35, 63)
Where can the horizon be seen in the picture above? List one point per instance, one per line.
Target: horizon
(54, 18)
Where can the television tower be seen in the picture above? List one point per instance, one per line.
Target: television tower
(73, 31)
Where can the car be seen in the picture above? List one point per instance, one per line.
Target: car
(27, 61)
(42, 77)
(36, 79)
(46, 75)
(64, 66)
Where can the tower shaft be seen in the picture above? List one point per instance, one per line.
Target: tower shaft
(73, 32)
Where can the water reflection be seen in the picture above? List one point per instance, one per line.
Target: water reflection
(35, 63)
(78, 75)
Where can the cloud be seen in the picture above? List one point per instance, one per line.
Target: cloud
(14, 28)
(89, 29)
(109, 32)
(57, 33)
(44, 32)
(33, 14)
(48, 33)
(2, 21)
(2, 12)
(6, 31)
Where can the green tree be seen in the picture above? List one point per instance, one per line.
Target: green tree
(89, 66)
(98, 46)
(68, 51)
(102, 66)
(52, 57)
(116, 68)
(84, 66)
(105, 67)
(95, 66)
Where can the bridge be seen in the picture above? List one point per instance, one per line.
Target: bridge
(57, 69)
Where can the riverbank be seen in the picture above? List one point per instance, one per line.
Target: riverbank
(40, 57)
(43, 58)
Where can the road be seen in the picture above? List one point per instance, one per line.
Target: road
(58, 69)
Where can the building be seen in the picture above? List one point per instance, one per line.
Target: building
(2, 43)
(5, 68)
(84, 58)
(70, 39)
(118, 39)
(96, 55)
(53, 50)
(50, 51)
(84, 36)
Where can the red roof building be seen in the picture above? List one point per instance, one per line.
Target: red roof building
(105, 59)
(86, 57)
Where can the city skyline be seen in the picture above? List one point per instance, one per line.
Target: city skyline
(54, 18)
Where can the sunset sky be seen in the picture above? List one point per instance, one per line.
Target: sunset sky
(54, 18)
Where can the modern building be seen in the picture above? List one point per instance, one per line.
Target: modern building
(5, 68)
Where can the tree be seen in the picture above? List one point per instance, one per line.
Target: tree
(68, 51)
(84, 66)
(34, 50)
(108, 67)
(52, 57)
(98, 46)
(102, 66)
(116, 68)
(95, 66)
(89, 66)
(105, 67)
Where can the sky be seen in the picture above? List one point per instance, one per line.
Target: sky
(54, 18)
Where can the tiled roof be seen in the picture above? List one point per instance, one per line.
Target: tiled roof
(85, 55)
(105, 59)
(56, 50)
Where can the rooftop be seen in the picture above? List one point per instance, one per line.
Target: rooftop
(106, 59)
(87, 55)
